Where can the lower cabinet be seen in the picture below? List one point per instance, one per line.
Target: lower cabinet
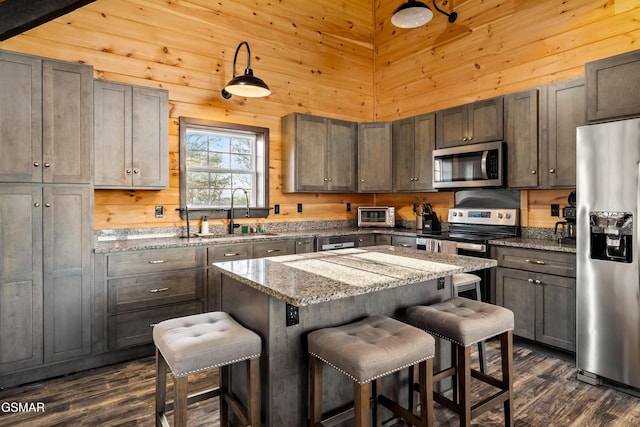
(143, 288)
(539, 287)
(404, 241)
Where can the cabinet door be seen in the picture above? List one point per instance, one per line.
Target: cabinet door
(374, 157)
(311, 146)
(566, 110)
(67, 241)
(515, 291)
(21, 332)
(486, 121)
(304, 246)
(521, 123)
(425, 142)
(20, 118)
(112, 133)
(556, 311)
(341, 162)
(404, 241)
(613, 85)
(403, 154)
(452, 126)
(67, 99)
(150, 127)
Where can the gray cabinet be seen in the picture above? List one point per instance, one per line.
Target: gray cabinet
(539, 287)
(473, 123)
(131, 134)
(141, 288)
(413, 144)
(404, 241)
(613, 85)
(45, 274)
(305, 245)
(521, 138)
(318, 154)
(563, 109)
(375, 157)
(45, 117)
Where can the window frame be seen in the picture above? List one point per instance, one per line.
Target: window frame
(261, 210)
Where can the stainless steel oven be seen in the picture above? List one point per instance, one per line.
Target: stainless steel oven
(475, 165)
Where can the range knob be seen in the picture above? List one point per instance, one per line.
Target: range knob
(507, 215)
(500, 215)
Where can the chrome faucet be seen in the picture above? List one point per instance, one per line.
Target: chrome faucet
(231, 224)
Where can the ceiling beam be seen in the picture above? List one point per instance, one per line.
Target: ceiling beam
(18, 16)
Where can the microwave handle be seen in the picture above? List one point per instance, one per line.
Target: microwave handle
(483, 164)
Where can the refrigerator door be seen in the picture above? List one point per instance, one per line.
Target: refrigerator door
(608, 279)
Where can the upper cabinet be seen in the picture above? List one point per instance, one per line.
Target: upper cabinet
(563, 109)
(521, 137)
(45, 120)
(131, 136)
(413, 144)
(374, 157)
(613, 85)
(318, 154)
(480, 121)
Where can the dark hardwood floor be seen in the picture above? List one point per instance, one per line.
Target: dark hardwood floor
(547, 393)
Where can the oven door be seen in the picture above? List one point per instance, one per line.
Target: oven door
(478, 250)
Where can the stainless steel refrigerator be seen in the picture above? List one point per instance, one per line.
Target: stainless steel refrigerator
(608, 276)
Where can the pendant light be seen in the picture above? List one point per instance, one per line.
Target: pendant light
(414, 13)
(246, 85)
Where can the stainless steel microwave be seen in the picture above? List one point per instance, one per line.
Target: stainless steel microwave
(376, 216)
(475, 165)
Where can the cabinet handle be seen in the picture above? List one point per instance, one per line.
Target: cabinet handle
(46, 165)
(362, 180)
(535, 261)
(272, 250)
(47, 205)
(157, 261)
(552, 171)
(464, 138)
(36, 204)
(326, 179)
(405, 245)
(127, 171)
(530, 280)
(301, 243)
(155, 291)
(534, 172)
(36, 164)
(136, 171)
(152, 325)
(537, 282)
(415, 179)
(231, 254)
(330, 179)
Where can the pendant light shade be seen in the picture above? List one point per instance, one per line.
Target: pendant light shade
(414, 13)
(246, 85)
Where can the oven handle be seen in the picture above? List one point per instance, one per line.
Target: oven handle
(474, 247)
(483, 164)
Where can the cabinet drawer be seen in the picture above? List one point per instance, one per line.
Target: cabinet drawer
(549, 262)
(153, 261)
(229, 252)
(403, 241)
(265, 249)
(305, 245)
(130, 329)
(383, 239)
(366, 240)
(146, 291)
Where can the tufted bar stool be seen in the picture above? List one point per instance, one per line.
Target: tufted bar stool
(465, 322)
(463, 282)
(197, 343)
(366, 351)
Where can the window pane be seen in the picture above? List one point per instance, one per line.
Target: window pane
(241, 161)
(242, 180)
(219, 143)
(219, 160)
(241, 145)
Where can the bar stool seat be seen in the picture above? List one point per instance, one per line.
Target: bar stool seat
(201, 342)
(366, 351)
(465, 322)
(463, 282)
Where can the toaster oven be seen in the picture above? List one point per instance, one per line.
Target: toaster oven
(376, 216)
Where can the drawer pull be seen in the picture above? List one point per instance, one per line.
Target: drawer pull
(231, 254)
(535, 261)
(272, 250)
(537, 281)
(405, 245)
(157, 261)
(155, 291)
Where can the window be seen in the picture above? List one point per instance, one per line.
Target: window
(219, 161)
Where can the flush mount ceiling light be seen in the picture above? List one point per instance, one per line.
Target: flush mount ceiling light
(414, 13)
(246, 85)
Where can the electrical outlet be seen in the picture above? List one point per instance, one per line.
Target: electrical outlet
(299, 207)
(159, 211)
(276, 209)
(293, 315)
(348, 207)
(555, 210)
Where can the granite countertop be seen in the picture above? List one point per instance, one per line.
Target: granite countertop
(317, 277)
(124, 245)
(543, 244)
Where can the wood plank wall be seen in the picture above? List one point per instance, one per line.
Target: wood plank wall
(334, 58)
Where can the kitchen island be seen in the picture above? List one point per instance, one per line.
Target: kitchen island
(284, 298)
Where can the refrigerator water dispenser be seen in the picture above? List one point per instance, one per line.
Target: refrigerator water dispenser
(611, 236)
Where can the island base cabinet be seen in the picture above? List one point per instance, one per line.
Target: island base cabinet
(543, 305)
(284, 359)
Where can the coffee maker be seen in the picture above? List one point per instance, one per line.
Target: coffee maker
(568, 226)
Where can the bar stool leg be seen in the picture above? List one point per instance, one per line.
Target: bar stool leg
(362, 394)
(506, 347)
(181, 393)
(161, 387)
(315, 387)
(464, 384)
(225, 381)
(253, 394)
(425, 373)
